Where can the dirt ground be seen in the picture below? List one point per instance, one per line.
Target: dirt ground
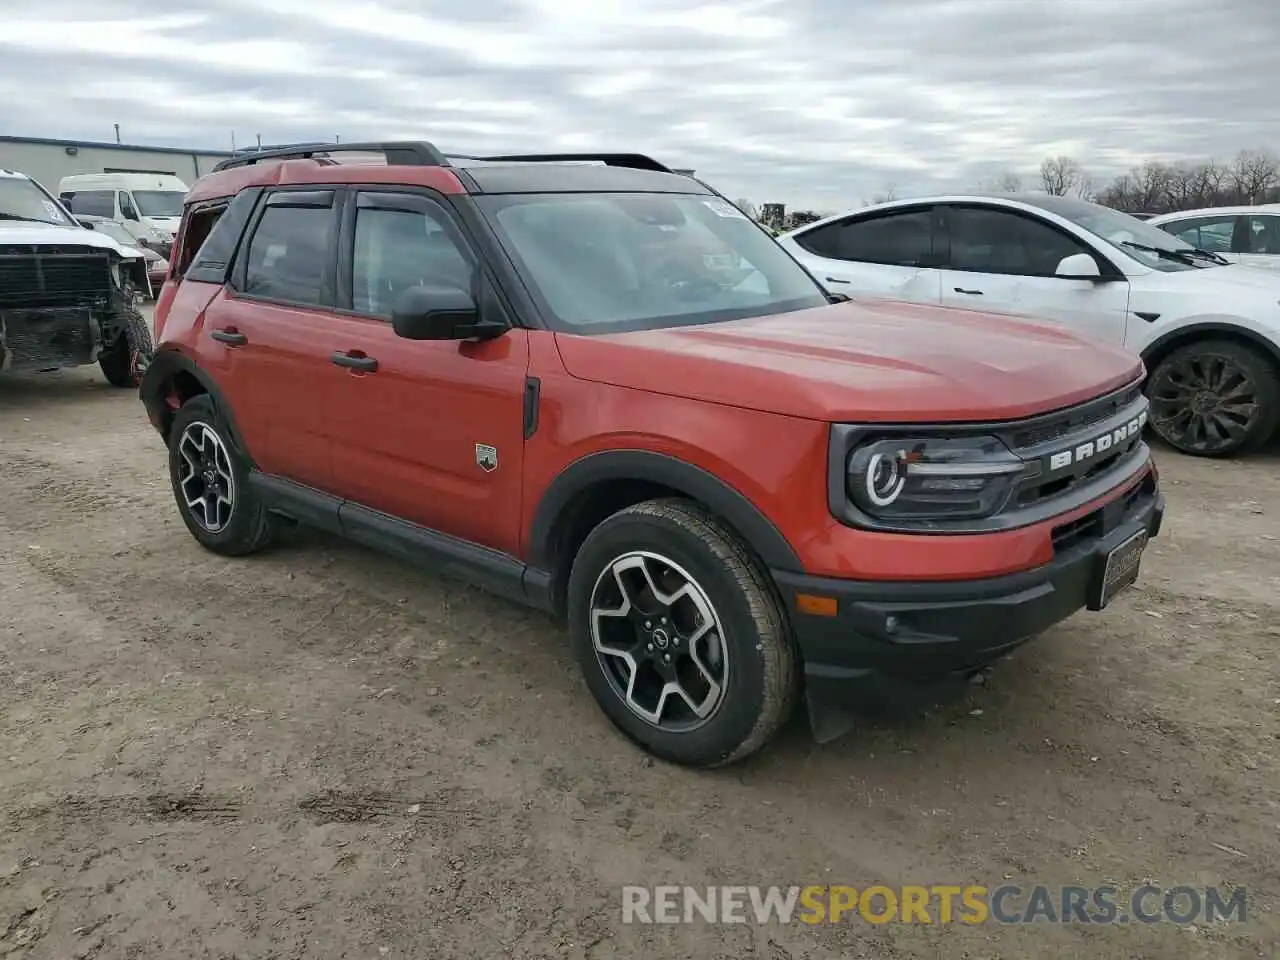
(317, 752)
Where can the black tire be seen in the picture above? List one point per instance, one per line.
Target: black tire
(761, 686)
(125, 359)
(248, 526)
(1174, 399)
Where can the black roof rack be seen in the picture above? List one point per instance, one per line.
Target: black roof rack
(407, 153)
(635, 161)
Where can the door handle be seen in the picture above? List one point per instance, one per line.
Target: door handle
(972, 293)
(354, 361)
(836, 280)
(230, 336)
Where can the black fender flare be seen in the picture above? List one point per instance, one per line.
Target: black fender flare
(1209, 328)
(692, 481)
(163, 366)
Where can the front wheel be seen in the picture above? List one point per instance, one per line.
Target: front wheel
(680, 634)
(124, 359)
(1214, 398)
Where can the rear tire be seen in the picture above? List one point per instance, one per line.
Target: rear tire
(744, 660)
(211, 483)
(1214, 398)
(125, 359)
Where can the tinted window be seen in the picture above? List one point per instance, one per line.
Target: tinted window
(399, 249)
(159, 203)
(902, 239)
(288, 254)
(94, 203)
(1264, 234)
(1207, 233)
(997, 241)
(605, 262)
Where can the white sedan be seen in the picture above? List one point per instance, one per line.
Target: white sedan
(1248, 235)
(1209, 331)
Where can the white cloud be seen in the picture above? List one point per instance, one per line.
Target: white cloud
(814, 102)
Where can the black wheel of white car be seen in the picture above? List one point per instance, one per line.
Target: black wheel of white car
(124, 359)
(1214, 398)
(680, 634)
(210, 483)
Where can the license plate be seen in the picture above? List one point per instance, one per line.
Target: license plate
(1120, 569)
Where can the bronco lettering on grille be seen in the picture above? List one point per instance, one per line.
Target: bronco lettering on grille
(1099, 445)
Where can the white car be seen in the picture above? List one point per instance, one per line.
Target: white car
(1209, 331)
(1248, 235)
(66, 293)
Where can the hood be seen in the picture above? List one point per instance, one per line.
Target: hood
(1235, 276)
(868, 360)
(23, 232)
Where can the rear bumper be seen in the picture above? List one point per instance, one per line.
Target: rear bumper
(895, 644)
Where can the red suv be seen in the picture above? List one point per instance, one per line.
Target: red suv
(600, 389)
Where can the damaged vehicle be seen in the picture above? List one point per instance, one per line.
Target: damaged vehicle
(68, 296)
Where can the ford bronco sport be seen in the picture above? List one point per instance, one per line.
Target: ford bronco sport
(67, 294)
(549, 378)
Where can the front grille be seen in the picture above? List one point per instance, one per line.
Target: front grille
(1098, 523)
(1053, 426)
(50, 277)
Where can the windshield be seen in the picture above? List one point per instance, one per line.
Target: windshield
(22, 199)
(159, 203)
(1128, 233)
(605, 263)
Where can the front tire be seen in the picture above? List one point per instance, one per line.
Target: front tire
(125, 359)
(1214, 398)
(211, 483)
(680, 634)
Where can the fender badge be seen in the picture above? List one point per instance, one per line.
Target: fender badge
(486, 457)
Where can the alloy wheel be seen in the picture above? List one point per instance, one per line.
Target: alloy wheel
(207, 483)
(659, 641)
(1203, 402)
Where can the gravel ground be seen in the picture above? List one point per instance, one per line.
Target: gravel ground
(318, 752)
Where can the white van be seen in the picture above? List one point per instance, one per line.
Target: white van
(147, 205)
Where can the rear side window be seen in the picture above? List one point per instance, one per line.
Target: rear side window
(92, 203)
(898, 239)
(1264, 234)
(290, 251)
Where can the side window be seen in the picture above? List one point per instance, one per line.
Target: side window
(402, 242)
(1264, 234)
(1207, 233)
(898, 239)
(92, 203)
(288, 253)
(211, 234)
(999, 241)
(127, 209)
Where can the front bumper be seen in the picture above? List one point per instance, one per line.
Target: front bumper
(893, 645)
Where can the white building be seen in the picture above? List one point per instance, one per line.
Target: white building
(48, 161)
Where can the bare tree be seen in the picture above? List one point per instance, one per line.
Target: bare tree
(1254, 173)
(1060, 176)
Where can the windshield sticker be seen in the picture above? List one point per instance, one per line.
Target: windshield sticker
(51, 208)
(722, 208)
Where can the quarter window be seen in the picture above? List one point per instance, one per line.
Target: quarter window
(288, 254)
(998, 241)
(399, 249)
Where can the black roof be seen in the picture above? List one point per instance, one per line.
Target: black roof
(573, 178)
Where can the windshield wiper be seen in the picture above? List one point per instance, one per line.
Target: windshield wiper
(18, 216)
(1179, 256)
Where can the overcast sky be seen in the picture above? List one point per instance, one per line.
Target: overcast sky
(810, 102)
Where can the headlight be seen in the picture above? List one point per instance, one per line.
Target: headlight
(923, 479)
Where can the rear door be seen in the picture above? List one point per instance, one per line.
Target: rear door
(1004, 260)
(269, 333)
(890, 254)
(429, 431)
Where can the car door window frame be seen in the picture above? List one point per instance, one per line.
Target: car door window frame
(1106, 268)
(932, 261)
(326, 198)
(380, 196)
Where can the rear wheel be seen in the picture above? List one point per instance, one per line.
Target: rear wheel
(1214, 398)
(680, 634)
(124, 359)
(210, 483)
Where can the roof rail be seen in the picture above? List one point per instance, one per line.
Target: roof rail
(636, 161)
(408, 153)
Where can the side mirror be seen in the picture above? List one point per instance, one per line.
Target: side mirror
(87, 224)
(1078, 266)
(440, 313)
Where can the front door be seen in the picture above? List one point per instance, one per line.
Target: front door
(434, 433)
(268, 335)
(1003, 261)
